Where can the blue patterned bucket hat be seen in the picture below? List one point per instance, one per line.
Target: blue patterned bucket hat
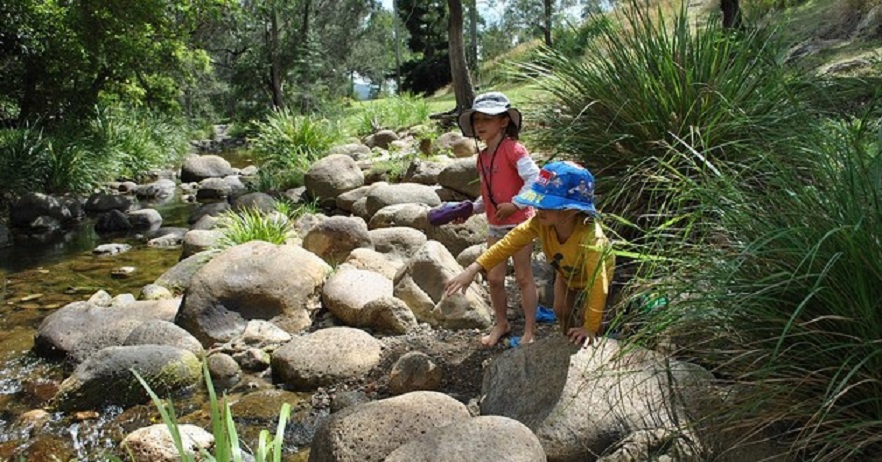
(561, 186)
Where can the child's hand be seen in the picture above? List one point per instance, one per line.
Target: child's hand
(461, 281)
(581, 336)
(505, 209)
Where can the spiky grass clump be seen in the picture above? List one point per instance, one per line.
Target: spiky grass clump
(132, 142)
(398, 112)
(785, 305)
(656, 93)
(253, 225)
(227, 447)
(286, 144)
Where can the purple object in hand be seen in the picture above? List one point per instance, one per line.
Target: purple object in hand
(450, 211)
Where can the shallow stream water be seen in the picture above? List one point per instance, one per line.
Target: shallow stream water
(37, 279)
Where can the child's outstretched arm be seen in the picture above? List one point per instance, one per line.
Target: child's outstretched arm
(461, 281)
(600, 264)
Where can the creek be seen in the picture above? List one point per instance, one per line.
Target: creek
(38, 278)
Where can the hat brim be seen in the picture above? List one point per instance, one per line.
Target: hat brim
(465, 118)
(550, 202)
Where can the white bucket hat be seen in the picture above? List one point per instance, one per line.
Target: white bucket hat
(493, 103)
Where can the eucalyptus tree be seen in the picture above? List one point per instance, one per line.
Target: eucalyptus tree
(459, 71)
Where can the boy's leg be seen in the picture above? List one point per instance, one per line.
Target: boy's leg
(498, 300)
(564, 299)
(523, 266)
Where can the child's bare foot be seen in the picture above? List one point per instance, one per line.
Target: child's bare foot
(493, 337)
(527, 338)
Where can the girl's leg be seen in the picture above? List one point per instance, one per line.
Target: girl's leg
(523, 267)
(564, 299)
(498, 300)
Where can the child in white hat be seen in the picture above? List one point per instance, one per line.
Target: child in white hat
(506, 169)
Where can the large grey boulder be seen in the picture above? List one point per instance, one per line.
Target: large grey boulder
(25, 211)
(421, 286)
(331, 176)
(258, 201)
(334, 238)
(349, 289)
(325, 357)
(79, 329)
(372, 431)
(255, 280)
(423, 172)
(160, 189)
(401, 193)
(453, 143)
(197, 168)
(580, 402)
(400, 215)
(198, 240)
(462, 236)
(356, 151)
(398, 242)
(106, 377)
(103, 202)
(371, 260)
(480, 438)
(145, 219)
(177, 278)
(461, 176)
(158, 332)
(346, 200)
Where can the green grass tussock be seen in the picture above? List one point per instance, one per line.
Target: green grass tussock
(655, 95)
(787, 300)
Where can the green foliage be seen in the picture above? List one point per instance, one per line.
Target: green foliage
(655, 95)
(399, 112)
(62, 58)
(23, 155)
(286, 145)
(226, 439)
(786, 297)
(73, 158)
(253, 225)
(134, 142)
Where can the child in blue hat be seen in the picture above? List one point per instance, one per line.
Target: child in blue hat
(566, 226)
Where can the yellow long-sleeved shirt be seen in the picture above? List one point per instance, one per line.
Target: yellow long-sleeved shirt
(585, 260)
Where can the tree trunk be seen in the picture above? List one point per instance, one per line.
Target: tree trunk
(547, 21)
(275, 60)
(305, 96)
(731, 14)
(473, 34)
(462, 83)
